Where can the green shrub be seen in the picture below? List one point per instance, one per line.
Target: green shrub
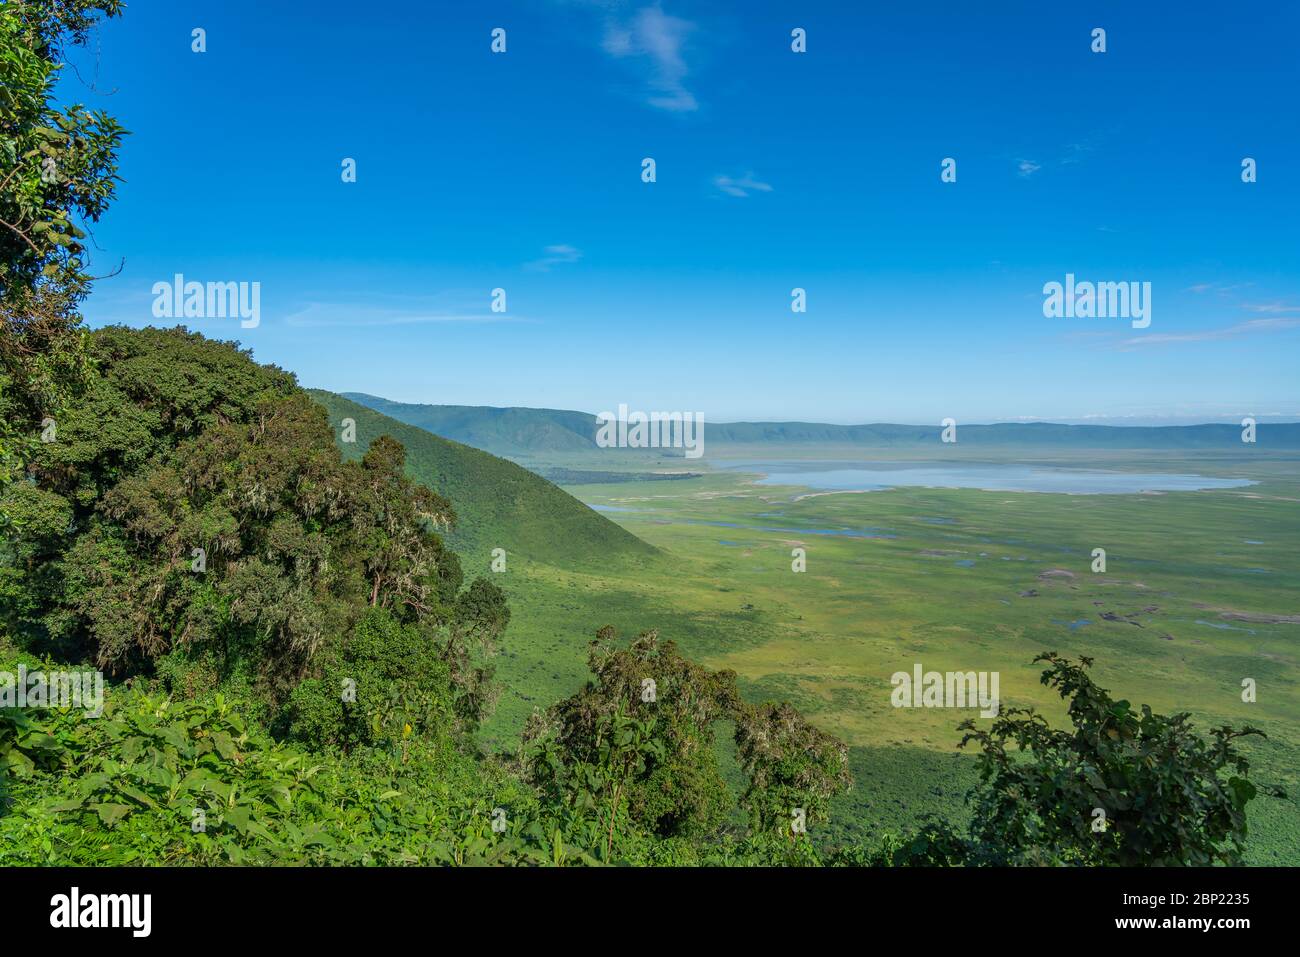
(386, 683)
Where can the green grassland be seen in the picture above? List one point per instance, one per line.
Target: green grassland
(954, 579)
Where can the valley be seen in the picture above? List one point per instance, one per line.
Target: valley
(959, 579)
(1194, 599)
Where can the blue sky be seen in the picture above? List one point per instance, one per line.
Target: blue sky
(820, 170)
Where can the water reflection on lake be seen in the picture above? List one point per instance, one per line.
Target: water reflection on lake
(845, 477)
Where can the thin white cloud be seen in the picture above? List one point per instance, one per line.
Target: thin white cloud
(1054, 159)
(655, 39)
(741, 186)
(1203, 287)
(343, 315)
(1269, 307)
(555, 256)
(1075, 152)
(1251, 327)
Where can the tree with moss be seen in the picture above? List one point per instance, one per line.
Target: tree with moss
(635, 748)
(794, 769)
(197, 513)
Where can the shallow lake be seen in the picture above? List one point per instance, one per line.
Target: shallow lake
(992, 478)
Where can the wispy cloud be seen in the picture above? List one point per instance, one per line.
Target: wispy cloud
(347, 314)
(1075, 152)
(555, 256)
(1270, 307)
(741, 186)
(1223, 290)
(657, 40)
(1251, 327)
(1056, 158)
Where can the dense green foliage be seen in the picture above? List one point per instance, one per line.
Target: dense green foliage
(58, 167)
(165, 780)
(161, 780)
(158, 780)
(1126, 786)
(638, 741)
(195, 519)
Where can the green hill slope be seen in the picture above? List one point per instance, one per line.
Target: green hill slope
(498, 503)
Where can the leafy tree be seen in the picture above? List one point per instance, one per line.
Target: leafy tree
(382, 685)
(479, 617)
(411, 573)
(639, 740)
(58, 167)
(234, 541)
(152, 391)
(794, 768)
(402, 560)
(1161, 786)
(641, 733)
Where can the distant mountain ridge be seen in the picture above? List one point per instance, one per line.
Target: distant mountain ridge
(522, 431)
(497, 430)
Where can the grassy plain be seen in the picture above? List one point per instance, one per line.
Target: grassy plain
(956, 579)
